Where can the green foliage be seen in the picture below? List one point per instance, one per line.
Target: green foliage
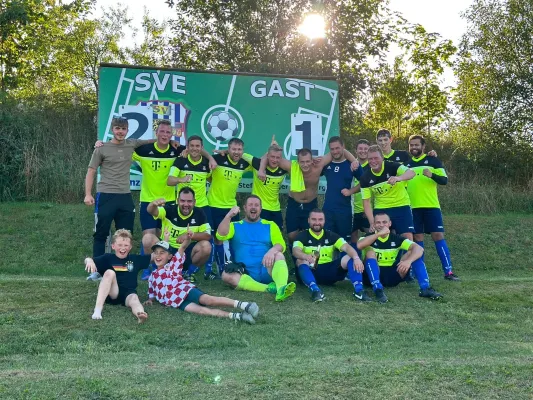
(495, 89)
(261, 37)
(409, 93)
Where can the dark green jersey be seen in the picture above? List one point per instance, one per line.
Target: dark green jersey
(387, 248)
(423, 190)
(329, 243)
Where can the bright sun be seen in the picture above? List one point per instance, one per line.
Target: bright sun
(313, 27)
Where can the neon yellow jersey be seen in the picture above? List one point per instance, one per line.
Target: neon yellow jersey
(385, 195)
(388, 248)
(155, 164)
(198, 171)
(330, 244)
(225, 179)
(267, 191)
(357, 196)
(421, 189)
(176, 223)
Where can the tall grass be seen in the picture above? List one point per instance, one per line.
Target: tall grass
(44, 152)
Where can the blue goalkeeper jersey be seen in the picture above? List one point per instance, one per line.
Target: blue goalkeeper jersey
(251, 240)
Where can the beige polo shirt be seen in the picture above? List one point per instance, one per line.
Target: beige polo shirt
(114, 161)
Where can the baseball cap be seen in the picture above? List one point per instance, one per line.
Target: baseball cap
(165, 246)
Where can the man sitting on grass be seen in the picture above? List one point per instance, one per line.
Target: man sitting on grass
(385, 265)
(119, 276)
(167, 285)
(258, 246)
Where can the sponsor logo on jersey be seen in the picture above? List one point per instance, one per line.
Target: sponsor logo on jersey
(193, 221)
(393, 243)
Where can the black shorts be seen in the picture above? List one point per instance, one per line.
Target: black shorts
(274, 216)
(297, 214)
(121, 298)
(360, 222)
(192, 297)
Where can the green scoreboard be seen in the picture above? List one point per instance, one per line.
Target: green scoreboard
(299, 111)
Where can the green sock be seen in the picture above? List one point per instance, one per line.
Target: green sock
(280, 273)
(247, 283)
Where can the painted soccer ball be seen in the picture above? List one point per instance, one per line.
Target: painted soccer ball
(222, 126)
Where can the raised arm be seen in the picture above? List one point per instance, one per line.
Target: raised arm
(153, 207)
(223, 229)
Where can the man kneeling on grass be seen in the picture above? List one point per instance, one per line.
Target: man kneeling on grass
(119, 276)
(167, 285)
(385, 265)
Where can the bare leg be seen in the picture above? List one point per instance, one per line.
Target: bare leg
(207, 300)
(149, 239)
(132, 301)
(198, 309)
(201, 253)
(108, 287)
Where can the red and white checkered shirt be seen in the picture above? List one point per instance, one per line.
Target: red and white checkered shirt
(167, 285)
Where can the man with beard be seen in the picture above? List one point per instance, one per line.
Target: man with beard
(267, 189)
(193, 171)
(360, 222)
(381, 183)
(339, 174)
(386, 266)
(422, 189)
(314, 250)
(179, 220)
(222, 195)
(259, 264)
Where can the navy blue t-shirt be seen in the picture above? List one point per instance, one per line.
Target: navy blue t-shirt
(126, 269)
(339, 176)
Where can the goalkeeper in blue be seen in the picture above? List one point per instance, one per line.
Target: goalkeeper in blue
(315, 250)
(384, 264)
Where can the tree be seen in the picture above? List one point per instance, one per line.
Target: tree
(495, 69)
(429, 55)
(261, 36)
(30, 31)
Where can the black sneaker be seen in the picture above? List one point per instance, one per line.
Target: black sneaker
(191, 278)
(317, 296)
(362, 296)
(451, 277)
(381, 297)
(211, 276)
(430, 293)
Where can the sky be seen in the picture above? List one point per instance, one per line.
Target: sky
(438, 16)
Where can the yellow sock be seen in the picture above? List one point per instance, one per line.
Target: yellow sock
(247, 283)
(280, 273)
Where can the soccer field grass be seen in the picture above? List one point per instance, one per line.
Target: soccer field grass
(475, 343)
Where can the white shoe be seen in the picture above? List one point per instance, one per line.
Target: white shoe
(95, 276)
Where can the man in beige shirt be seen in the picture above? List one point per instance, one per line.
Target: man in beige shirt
(113, 197)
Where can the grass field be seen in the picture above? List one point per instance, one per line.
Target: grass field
(475, 343)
